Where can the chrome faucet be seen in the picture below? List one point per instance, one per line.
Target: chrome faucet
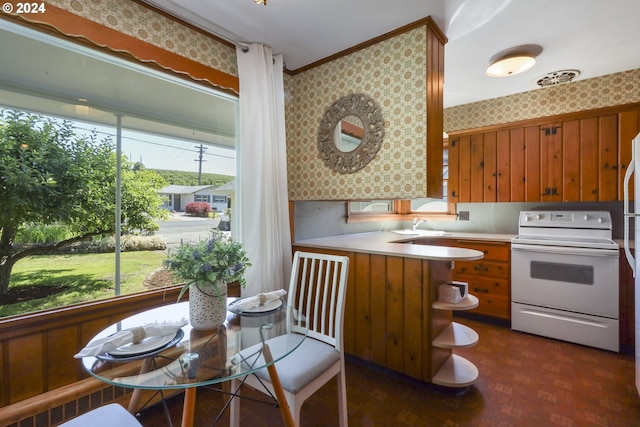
(417, 222)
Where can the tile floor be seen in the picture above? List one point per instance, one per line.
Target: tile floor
(524, 381)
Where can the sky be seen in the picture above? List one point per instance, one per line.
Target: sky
(157, 152)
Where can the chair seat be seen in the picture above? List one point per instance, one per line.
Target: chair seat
(306, 363)
(111, 415)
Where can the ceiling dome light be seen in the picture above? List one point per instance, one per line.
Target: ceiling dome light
(510, 66)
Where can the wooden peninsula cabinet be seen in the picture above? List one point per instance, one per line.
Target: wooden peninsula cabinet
(390, 317)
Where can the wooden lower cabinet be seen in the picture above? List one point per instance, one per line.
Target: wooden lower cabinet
(488, 278)
(389, 319)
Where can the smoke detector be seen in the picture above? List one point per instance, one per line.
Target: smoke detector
(557, 77)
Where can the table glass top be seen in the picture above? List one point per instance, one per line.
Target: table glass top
(195, 357)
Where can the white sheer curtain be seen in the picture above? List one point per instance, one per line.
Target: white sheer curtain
(262, 174)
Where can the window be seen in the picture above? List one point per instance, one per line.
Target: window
(373, 206)
(202, 198)
(219, 199)
(377, 210)
(160, 120)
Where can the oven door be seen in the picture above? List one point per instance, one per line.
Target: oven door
(574, 279)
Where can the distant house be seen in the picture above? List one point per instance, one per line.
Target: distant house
(178, 196)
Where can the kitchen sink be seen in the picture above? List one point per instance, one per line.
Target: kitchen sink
(409, 232)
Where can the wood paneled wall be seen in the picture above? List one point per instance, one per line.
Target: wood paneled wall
(36, 350)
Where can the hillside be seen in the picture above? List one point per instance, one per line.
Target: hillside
(191, 178)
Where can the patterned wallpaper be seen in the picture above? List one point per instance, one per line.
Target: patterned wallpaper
(137, 21)
(393, 73)
(605, 91)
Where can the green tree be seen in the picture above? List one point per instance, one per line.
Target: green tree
(50, 175)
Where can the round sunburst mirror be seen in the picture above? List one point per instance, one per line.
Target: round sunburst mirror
(350, 133)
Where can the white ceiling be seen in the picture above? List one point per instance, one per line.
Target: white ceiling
(595, 37)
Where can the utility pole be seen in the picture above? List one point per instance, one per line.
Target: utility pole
(200, 160)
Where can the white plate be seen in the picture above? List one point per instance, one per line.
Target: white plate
(147, 344)
(269, 306)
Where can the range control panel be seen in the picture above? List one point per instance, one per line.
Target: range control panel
(566, 219)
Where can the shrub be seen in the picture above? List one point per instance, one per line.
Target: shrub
(198, 209)
(38, 233)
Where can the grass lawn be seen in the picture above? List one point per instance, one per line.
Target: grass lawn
(58, 280)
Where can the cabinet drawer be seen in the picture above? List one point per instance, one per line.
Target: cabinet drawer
(481, 267)
(498, 251)
(485, 285)
(492, 305)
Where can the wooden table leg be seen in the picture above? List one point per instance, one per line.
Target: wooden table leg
(189, 407)
(134, 402)
(277, 388)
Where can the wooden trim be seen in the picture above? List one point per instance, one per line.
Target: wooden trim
(13, 326)
(616, 109)
(65, 24)
(435, 112)
(428, 22)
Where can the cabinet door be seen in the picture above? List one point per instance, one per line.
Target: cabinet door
(453, 183)
(511, 165)
(490, 169)
(477, 167)
(629, 126)
(608, 153)
(463, 144)
(533, 183)
(551, 162)
(574, 157)
(590, 159)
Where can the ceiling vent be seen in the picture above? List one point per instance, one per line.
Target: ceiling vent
(557, 77)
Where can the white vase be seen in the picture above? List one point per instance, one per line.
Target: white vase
(207, 306)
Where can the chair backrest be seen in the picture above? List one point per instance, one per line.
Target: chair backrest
(317, 290)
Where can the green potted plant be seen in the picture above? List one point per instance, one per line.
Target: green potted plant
(207, 267)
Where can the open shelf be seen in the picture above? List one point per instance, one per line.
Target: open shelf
(456, 372)
(469, 303)
(456, 335)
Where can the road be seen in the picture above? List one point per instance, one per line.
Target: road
(184, 230)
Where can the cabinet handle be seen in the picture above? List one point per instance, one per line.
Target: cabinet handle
(480, 268)
(481, 290)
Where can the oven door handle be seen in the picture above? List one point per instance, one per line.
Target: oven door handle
(564, 250)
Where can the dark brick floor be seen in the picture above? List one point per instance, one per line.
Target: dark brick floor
(524, 380)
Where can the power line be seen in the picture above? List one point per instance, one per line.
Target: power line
(158, 144)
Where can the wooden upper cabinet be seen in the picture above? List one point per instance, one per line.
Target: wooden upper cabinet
(577, 157)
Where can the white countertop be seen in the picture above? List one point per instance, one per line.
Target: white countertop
(389, 243)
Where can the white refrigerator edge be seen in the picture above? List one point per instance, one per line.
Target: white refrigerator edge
(634, 167)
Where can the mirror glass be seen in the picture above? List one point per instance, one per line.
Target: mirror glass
(349, 133)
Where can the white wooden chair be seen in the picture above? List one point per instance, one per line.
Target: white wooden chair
(111, 415)
(317, 289)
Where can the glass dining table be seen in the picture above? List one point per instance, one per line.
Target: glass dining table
(193, 358)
